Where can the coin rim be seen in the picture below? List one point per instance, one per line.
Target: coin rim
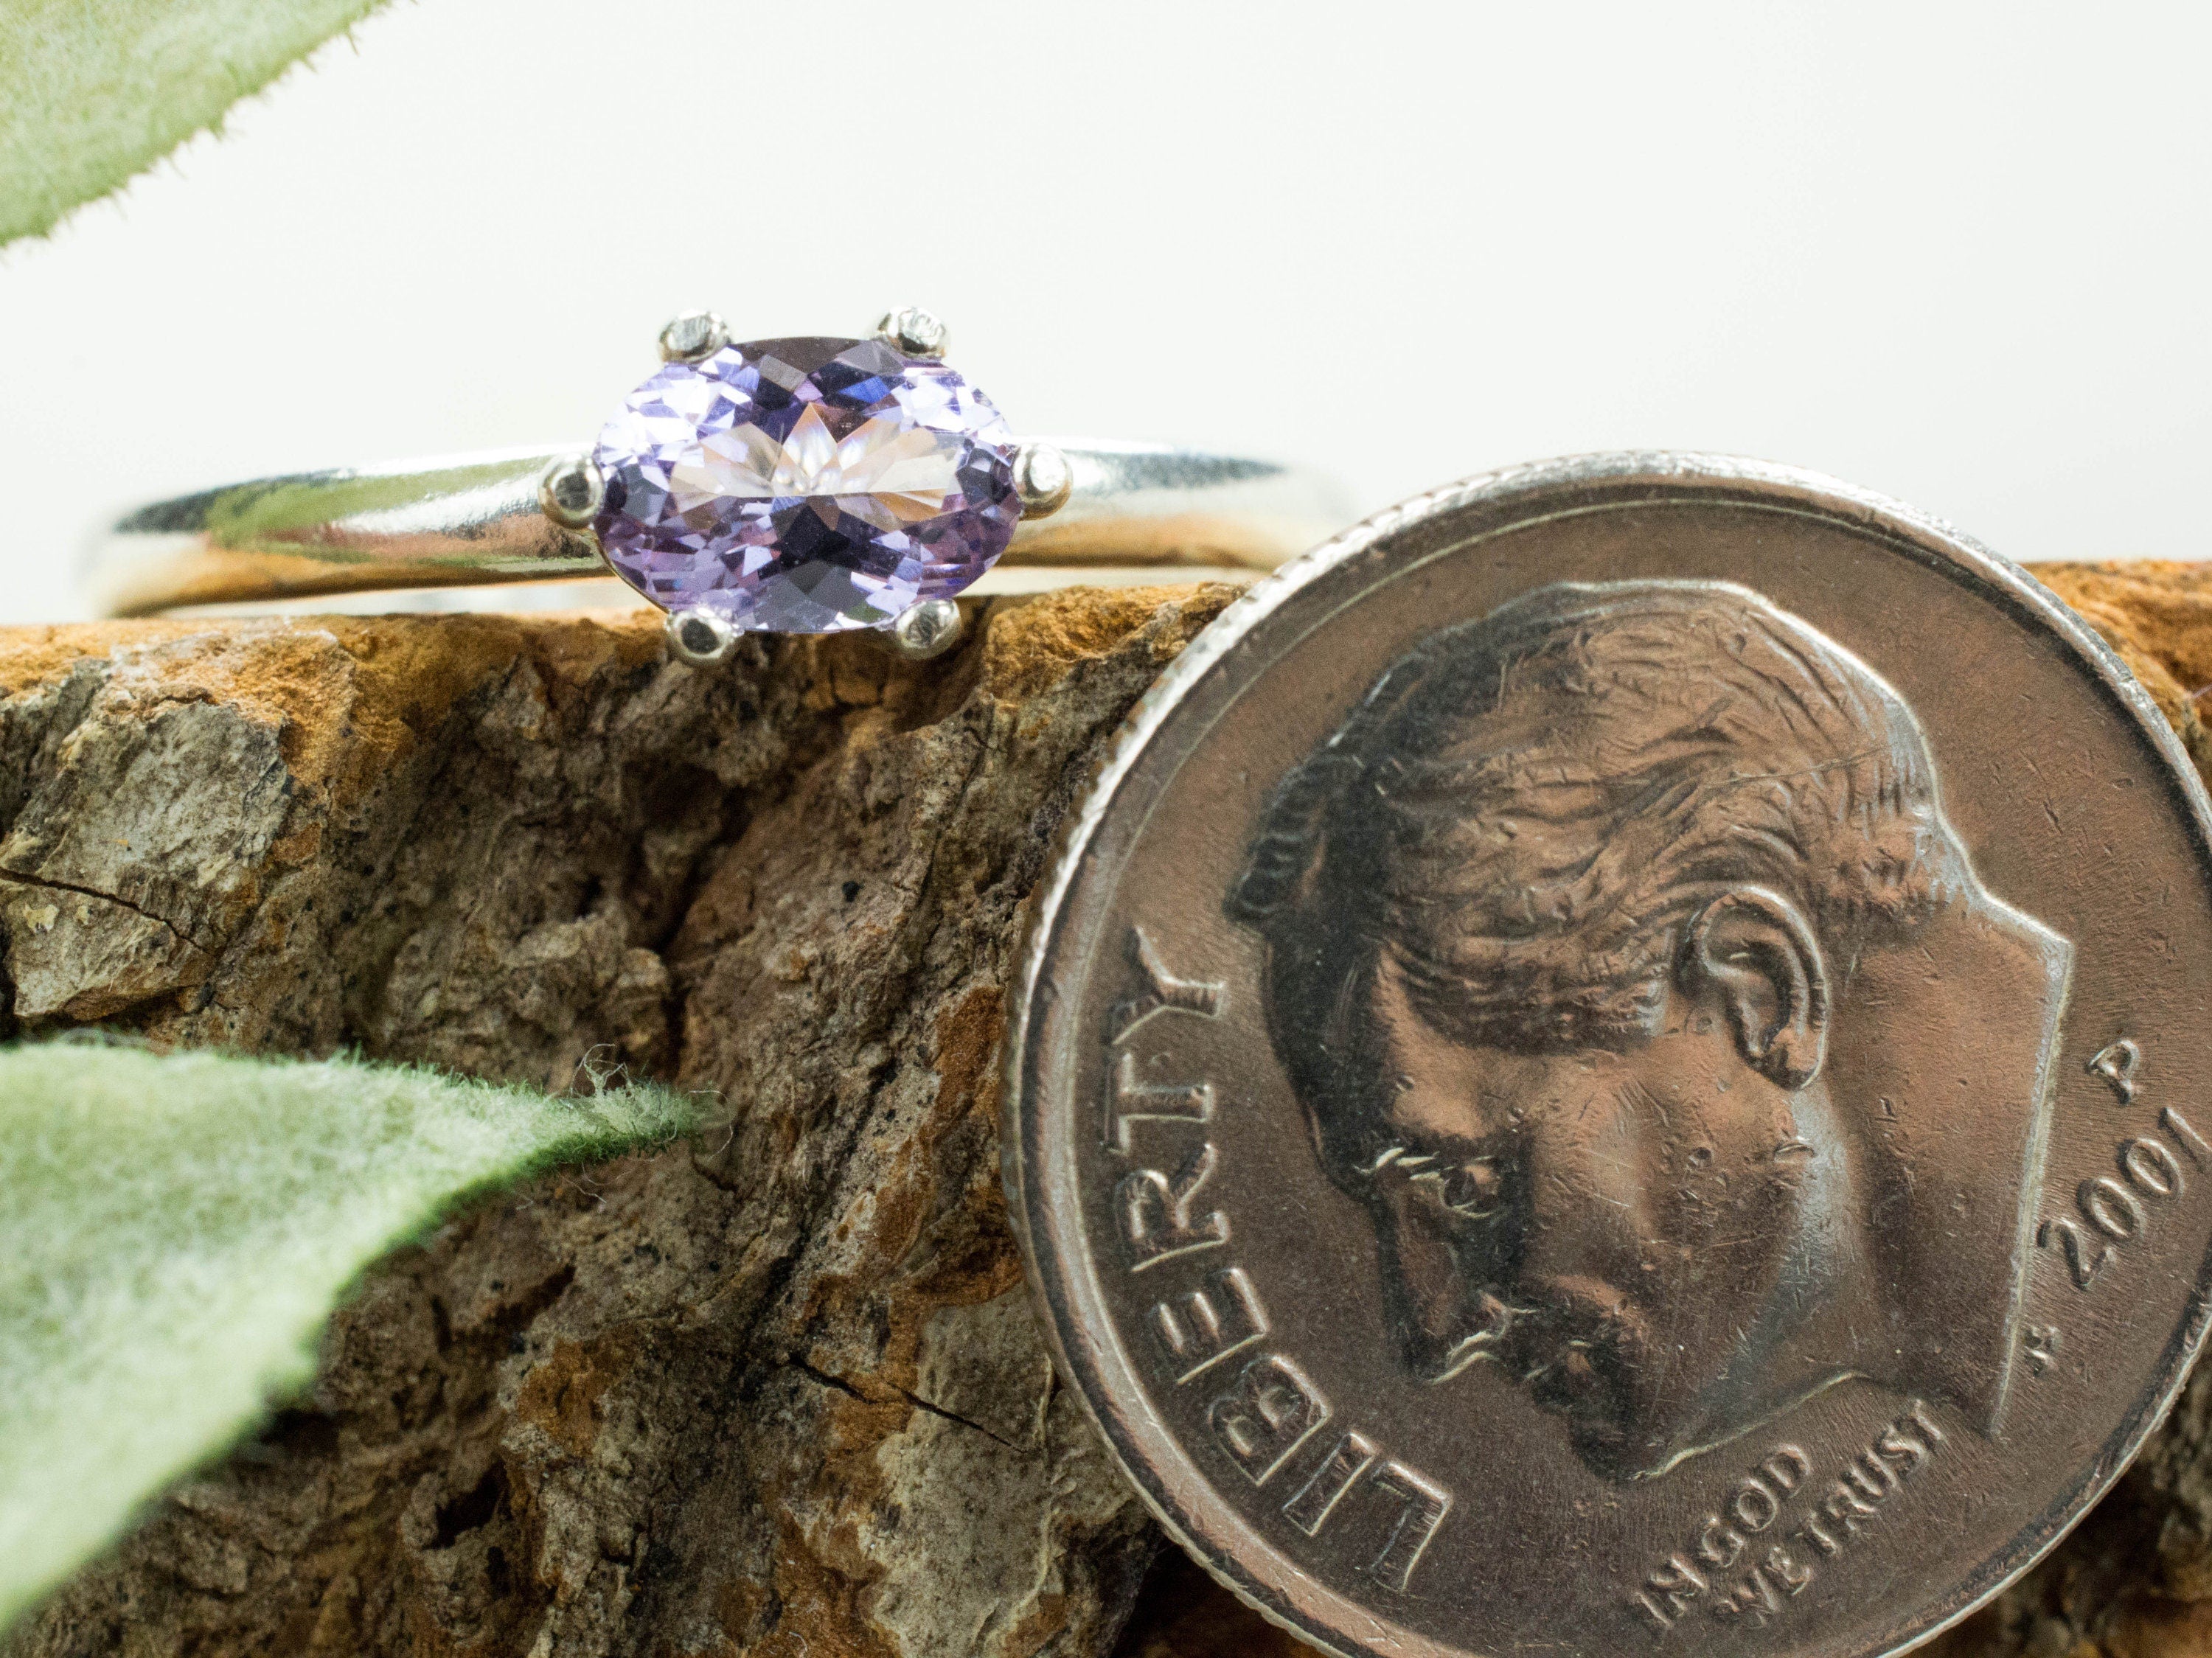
(1134, 1438)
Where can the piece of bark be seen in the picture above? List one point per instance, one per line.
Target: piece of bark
(776, 1392)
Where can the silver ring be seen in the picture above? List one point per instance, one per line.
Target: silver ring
(803, 485)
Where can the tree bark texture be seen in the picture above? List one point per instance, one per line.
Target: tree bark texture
(776, 1391)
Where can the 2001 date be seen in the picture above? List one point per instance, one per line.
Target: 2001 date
(2116, 1209)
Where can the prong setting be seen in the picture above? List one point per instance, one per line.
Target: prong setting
(1043, 480)
(571, 491)
(924, 630)
(693, 336)
(914, 331)
(700, 637)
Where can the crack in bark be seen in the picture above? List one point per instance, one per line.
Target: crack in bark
(839, 1384)
(49, 885)
(955, 1416)
(836, 1383)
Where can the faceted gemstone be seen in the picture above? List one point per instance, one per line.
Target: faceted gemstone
(805, 485)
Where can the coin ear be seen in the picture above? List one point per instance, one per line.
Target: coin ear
(1754, 947)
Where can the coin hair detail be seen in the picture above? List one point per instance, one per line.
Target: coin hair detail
(1527, 810)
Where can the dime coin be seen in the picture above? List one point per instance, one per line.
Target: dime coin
(1615, 1063)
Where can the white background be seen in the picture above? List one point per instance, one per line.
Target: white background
(1958, 254)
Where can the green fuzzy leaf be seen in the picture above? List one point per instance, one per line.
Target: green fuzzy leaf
(94, 91)
(178, 1227)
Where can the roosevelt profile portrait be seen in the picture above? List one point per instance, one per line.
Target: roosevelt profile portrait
(1632, 978)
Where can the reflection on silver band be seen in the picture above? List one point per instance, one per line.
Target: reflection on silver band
(460, 521)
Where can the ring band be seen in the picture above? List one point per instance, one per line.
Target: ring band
(423, 527)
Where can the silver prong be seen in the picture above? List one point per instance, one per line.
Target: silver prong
(929, 628)
(914, 331)
(571, 491)
(1043, 478)
(701, 637)
(693, 336)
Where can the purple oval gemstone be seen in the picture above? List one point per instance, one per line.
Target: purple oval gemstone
(805, 485)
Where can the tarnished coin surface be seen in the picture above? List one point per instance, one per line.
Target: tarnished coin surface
(1617, 1062)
